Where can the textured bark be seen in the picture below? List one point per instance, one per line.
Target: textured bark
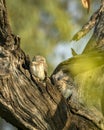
(31, 104)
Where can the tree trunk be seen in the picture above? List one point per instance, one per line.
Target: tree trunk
(32, 104)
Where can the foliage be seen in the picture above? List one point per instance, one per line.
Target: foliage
(43, 24)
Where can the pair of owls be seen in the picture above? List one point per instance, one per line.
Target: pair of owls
(38, 69)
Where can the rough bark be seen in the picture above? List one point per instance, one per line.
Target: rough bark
(31, 104)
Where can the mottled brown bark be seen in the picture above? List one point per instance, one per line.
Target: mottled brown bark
(30, 104)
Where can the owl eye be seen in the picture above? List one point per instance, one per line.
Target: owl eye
(86, 4)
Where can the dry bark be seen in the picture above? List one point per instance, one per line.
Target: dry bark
(31, 104)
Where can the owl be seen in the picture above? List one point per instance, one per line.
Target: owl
(63, 82)
(38, 67)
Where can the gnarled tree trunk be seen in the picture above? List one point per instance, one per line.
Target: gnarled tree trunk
(30, 104)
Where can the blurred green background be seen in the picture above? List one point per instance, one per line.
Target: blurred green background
(46, 28)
